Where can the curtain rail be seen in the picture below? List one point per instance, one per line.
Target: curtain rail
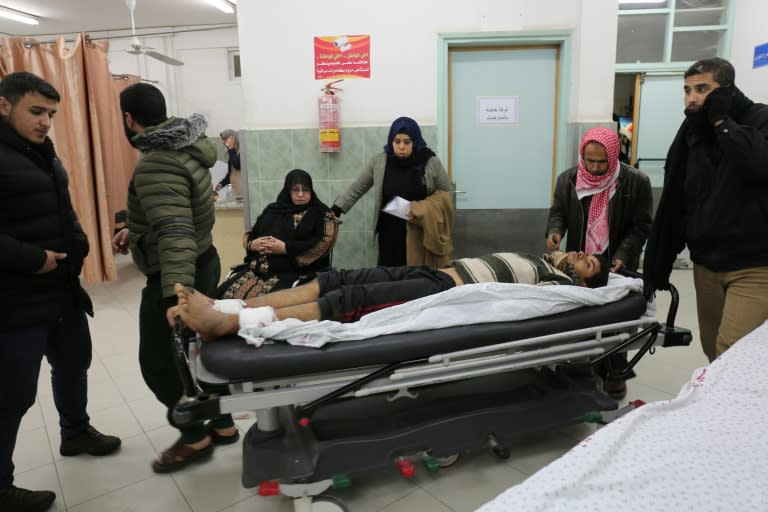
(127, 77)
(88, 38)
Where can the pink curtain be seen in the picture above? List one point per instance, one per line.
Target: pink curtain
(87, 133)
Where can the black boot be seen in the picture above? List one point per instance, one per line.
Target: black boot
(14, 499)
(89, 441)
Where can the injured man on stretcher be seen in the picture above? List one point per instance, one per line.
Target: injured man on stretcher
(347, 295)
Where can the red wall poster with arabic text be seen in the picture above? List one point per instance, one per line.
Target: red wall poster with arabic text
(342, 57)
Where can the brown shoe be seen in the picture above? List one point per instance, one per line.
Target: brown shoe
(179, 456)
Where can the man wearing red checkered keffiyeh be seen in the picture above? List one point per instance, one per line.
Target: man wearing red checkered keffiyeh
(605, 208)
(598, 170)
(605, 205)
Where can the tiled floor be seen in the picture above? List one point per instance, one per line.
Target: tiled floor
(120, 404)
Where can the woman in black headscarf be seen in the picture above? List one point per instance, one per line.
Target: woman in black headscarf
(293, 237)
(406, 168)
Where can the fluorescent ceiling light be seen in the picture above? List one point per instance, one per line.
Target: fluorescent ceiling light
(12, 14)
(222, 6)
(642, 1)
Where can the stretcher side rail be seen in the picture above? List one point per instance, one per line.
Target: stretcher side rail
(341, 378)
(314, 392)
(319, 389)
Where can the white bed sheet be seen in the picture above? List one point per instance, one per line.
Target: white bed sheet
(468, 304)
(705, 450)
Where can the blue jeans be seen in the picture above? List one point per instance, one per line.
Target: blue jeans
(67, 346)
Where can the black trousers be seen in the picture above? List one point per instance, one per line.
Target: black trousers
(347, 295)
(67, 346)
(156, 357)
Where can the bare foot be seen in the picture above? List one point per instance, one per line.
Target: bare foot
(199, 296)
(197, 313)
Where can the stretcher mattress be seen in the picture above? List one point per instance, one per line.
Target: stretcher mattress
(705, 450)
(233, 359)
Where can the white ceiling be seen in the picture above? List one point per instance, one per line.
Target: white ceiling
(72, 16)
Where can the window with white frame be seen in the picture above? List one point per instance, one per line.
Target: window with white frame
(671, 31)
(233, 57)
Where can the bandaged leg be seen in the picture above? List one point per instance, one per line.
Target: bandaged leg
(256, 317)
(251, 319)
(230, 306)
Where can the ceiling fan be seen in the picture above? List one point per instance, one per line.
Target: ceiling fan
(137, 48)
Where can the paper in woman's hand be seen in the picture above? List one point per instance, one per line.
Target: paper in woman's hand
(398, 207)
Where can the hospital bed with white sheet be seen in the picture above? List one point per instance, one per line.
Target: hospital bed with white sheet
(705, 450)
(471, 368)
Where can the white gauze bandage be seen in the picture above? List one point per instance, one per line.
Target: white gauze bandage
(256, 317)
(229, 306)
(251, 320)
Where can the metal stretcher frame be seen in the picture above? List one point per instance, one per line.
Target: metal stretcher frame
(358, 406)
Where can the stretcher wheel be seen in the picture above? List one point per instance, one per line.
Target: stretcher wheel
(326, 503)
(446, 462)
(499, 449)
(501, 452)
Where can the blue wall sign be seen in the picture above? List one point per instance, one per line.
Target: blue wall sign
(761, 56)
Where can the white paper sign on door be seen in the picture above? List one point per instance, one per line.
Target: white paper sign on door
(497, 109)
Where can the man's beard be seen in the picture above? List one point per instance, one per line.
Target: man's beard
(129, 134)
(698, 121)
(559, 260)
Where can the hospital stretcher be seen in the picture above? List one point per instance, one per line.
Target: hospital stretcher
(325, 415)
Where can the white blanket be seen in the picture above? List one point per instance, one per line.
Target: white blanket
(468, 304)
(705, 450)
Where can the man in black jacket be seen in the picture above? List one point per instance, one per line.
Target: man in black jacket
(42, 248)
(627, 210)
(605, 207)
(714, 200)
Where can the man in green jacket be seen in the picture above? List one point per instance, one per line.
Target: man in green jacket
(170, 218)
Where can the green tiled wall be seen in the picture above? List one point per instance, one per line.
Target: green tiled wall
(270, 154)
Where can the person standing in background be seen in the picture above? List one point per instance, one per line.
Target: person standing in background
(42, 248)
(170, 219)
(606, 205)
(714, 200)
(406, 168)
(233, 177)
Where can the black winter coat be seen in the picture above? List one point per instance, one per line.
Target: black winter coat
(715, 197)
(36, 214)
(629, 214)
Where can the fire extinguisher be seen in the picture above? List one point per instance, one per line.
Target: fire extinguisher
(328, 112)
